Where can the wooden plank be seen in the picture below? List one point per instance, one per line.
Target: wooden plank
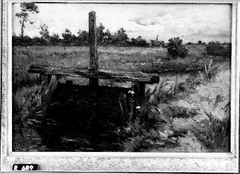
(120, 76)
(139, 89)
(48, 90)
(93, 55)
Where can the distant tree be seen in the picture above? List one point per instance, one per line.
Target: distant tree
(100, 33)
(15, 40)
(120, 37)
(176, 49)
(82, 37)
(54, 39)
(23, 15)
(39, 41)
(199, 42)
(25, 41)
(133, 41)
(44, 31)
(107, 38)
(139, 42)
(162, 43)
(228, 50)
(217, 49)
(68, 38)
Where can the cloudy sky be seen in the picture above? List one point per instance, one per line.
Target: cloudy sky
(190, 22)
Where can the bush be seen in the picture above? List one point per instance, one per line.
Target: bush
(138, 42)
(217, 49)
(39, 41)
(22, 41)
(176, 49)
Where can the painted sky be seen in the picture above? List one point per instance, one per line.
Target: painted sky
(190, 22)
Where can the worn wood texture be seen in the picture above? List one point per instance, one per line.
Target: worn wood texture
(93, 55)
(139, 89)
(119, 76)
(48, 88)
(93, 59)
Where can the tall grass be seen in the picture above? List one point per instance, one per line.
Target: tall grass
(215, 134)
(213, 131)
(152, 127)
(210, 71)
(25, 117)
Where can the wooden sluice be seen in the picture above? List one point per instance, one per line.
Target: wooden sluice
(97, 100)
(93, 73)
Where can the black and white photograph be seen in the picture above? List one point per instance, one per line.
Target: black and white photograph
(121, 77)
(120, 86)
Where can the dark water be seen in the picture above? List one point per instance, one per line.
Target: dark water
(73, 123)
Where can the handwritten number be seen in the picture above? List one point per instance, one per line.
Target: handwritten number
(24, 167)
(15, 167)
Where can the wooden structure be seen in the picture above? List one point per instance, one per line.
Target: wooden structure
(53, 74)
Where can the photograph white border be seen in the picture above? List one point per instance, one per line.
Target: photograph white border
(116, 161)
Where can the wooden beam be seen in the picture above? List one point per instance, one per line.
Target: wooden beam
(48, 89)
(93, 55)
(139, 89)
(93, 66)
(119, 76)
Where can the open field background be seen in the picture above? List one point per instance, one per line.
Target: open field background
(188, 111)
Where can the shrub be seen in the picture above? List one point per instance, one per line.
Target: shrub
(176, 49)
(39, 41)
(138, 42)
(217, 49)
(22, 41)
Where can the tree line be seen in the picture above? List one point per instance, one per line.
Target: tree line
(68, 39)
(105, 37)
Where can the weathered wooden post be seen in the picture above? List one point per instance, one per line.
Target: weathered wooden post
(93, 55)
(93, 67)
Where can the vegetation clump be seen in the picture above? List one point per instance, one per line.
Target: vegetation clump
(176, 48)
(210, 71)
(214, 133)
(218, 49)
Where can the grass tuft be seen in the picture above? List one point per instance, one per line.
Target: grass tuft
(210, 71)
(214, 132)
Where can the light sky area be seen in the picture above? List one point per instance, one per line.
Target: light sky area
(190, 22)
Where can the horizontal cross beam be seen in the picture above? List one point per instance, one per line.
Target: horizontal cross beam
(120, 76)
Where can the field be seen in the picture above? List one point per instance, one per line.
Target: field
(188, 111)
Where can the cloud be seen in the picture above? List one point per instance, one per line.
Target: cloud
(138, 21)
(192, 22)
(204, 35)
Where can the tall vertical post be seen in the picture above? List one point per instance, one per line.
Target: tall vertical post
(93, 55)
(93, 66)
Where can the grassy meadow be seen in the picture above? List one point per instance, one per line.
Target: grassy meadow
(187, 111)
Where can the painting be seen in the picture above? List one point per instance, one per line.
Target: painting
(139, 78)
(119, 86)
